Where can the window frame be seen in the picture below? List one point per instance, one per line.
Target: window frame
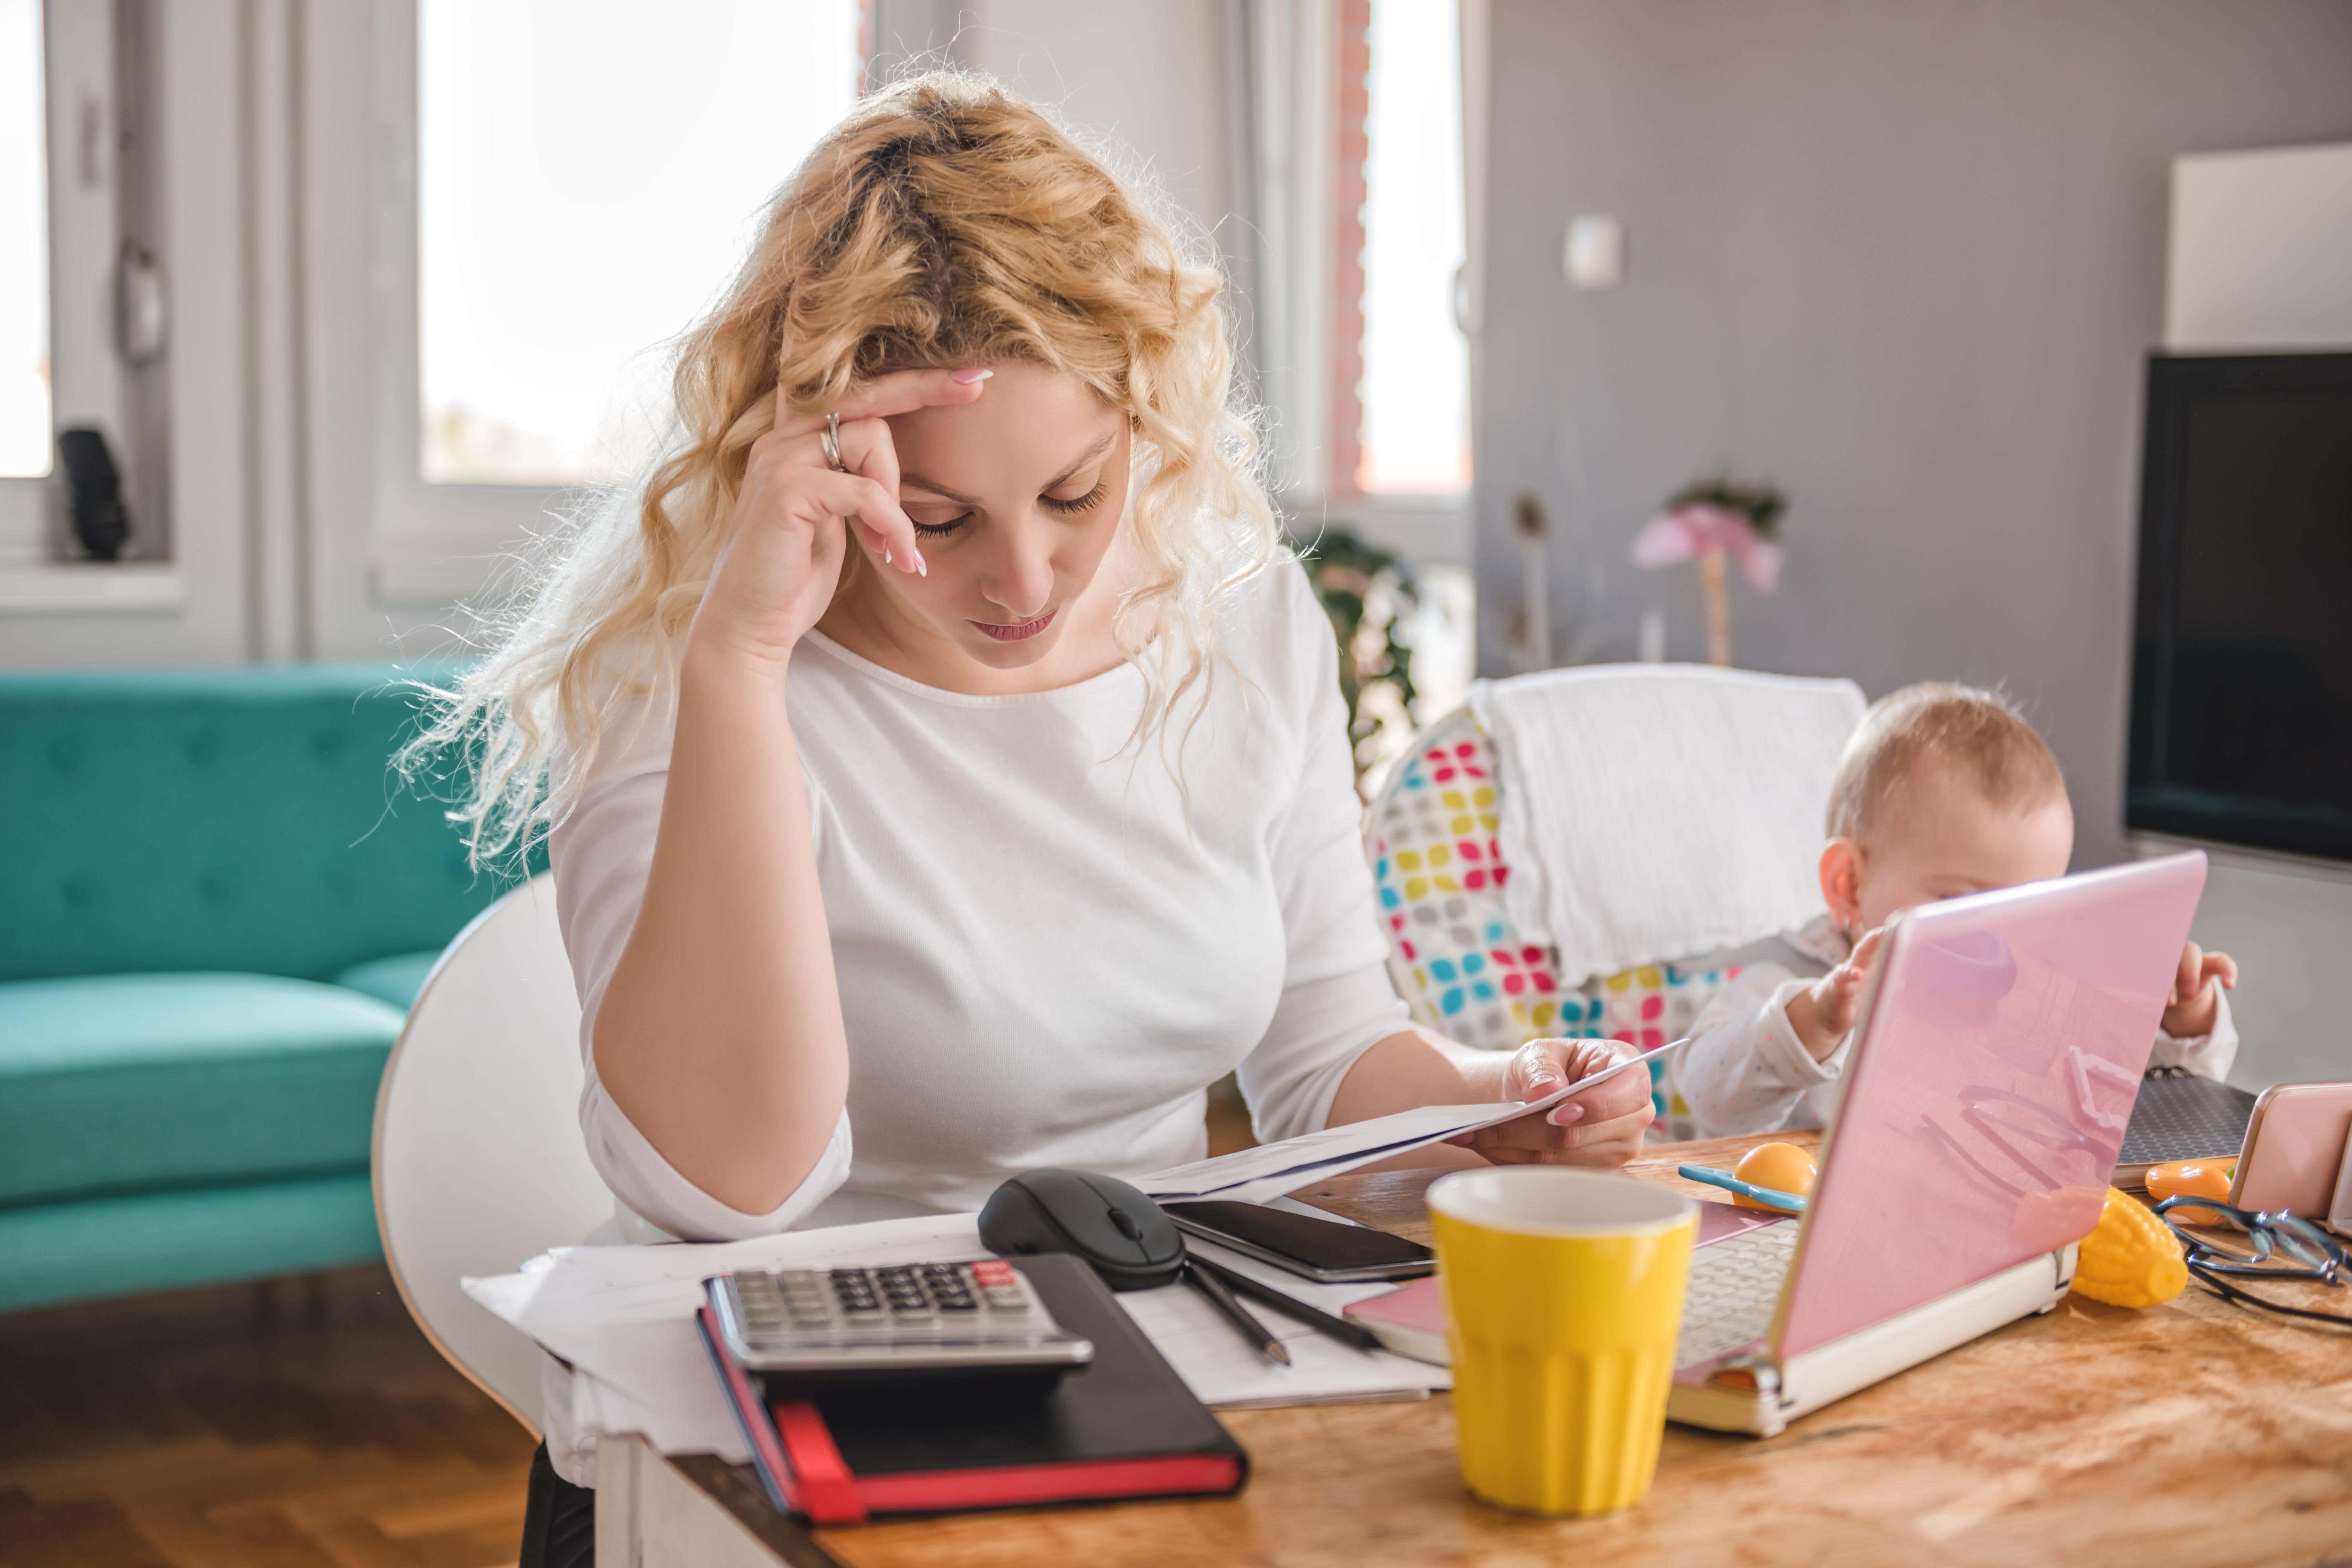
(1309, 245)
(435, 544)
(431, 543)
(87, 86)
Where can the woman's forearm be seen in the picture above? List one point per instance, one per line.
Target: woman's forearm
(1601, 1126)
(720, 1035)
(1417, 1067)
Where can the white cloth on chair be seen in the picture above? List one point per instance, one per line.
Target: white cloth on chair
(1660, 811)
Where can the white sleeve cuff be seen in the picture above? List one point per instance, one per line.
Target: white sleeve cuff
(2207, 1054)
(1783, 1055)
(651, 1187)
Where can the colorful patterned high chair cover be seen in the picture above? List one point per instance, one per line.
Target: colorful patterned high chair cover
(1456, 957)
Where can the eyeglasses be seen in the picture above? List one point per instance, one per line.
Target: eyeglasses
(2279, 1246)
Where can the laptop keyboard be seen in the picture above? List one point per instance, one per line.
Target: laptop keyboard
(1734, 1286)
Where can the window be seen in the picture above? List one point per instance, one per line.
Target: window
(1414, 395)
(24, 438)
(1358, 191)
(72, 193)
(588, 178)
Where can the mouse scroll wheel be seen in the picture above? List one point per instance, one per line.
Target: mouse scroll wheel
(1126, 1225)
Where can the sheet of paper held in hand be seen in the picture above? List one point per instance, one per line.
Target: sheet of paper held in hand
(1253, 1175)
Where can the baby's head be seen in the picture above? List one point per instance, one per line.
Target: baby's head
(1944, 790)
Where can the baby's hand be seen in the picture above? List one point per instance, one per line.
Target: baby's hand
(1823, 1015)
(2196, 1003)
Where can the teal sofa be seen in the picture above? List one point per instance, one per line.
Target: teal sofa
(215, 907)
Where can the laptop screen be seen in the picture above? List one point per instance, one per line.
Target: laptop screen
(1988, 1094)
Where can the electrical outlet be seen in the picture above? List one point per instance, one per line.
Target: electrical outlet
(1593, 256)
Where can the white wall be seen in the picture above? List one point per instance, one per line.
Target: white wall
(2261, 257)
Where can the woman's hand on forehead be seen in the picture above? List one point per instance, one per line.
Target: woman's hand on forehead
(888, 396)
(786, 542)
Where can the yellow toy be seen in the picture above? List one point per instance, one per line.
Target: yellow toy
(2131, 1258)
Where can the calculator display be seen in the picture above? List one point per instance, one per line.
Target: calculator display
(915, 1318)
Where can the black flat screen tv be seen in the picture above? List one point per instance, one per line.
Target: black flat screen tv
(2241, 667)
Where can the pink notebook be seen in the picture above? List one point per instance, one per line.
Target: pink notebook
(1410, 1319)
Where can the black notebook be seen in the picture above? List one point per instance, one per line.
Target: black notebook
(1124, 1426)
(2183, 1117)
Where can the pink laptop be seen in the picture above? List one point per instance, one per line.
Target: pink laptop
(2001, 1048)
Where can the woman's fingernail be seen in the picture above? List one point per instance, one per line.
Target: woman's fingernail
(922, 567)
(886, 555)
(1565, 1114)
(966, 377)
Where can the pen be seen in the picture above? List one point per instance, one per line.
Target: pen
(1338, 1328)
(1787, 1201)
(1208, 1285)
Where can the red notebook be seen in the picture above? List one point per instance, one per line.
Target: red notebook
(1123, 1426)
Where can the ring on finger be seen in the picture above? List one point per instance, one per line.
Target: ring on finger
(830, 439)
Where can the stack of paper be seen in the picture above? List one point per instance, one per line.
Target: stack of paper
(624, 1317)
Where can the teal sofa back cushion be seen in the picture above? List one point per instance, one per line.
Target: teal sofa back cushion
(234, 819)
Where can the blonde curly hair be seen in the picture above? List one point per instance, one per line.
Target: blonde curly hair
(946, 221)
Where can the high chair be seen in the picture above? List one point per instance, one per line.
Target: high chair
(1432, 835)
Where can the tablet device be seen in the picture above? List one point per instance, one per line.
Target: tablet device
(2294, 1149)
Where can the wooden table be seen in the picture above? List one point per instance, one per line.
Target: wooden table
(2191, 1433)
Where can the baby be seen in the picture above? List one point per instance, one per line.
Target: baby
(1944, 790)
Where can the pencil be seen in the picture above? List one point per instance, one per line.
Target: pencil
(1338, 1328)
(1258, 1335)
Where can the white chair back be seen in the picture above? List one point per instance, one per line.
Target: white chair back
(480, 1162)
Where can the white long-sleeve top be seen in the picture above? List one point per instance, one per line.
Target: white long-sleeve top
(1050, 938)
(1745, 1070)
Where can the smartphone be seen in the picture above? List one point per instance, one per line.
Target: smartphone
(2294, 1149)
(1328, 1251)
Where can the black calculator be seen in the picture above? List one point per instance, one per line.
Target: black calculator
(979, 1318)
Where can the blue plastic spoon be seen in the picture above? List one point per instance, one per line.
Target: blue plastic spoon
(1790, 1201)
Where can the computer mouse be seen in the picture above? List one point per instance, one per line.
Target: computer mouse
(1096, 1218)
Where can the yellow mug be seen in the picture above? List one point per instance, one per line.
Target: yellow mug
(1563, 1298)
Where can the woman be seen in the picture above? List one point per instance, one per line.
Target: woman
(940, 747)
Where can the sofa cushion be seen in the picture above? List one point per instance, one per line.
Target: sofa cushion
(237, 819)
(130, 1082)
(189, 1236)
(396, 980)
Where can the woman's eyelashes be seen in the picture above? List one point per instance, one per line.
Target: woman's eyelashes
(1086, 502)
(1069, 508)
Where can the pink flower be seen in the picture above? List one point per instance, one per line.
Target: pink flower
(1691, 532)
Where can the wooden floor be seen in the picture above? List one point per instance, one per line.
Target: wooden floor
(301, 1423)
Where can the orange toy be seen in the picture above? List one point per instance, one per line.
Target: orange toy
(2206, 1178)
(1783, 1167)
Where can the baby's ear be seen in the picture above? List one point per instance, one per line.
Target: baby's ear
(1842, 880)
